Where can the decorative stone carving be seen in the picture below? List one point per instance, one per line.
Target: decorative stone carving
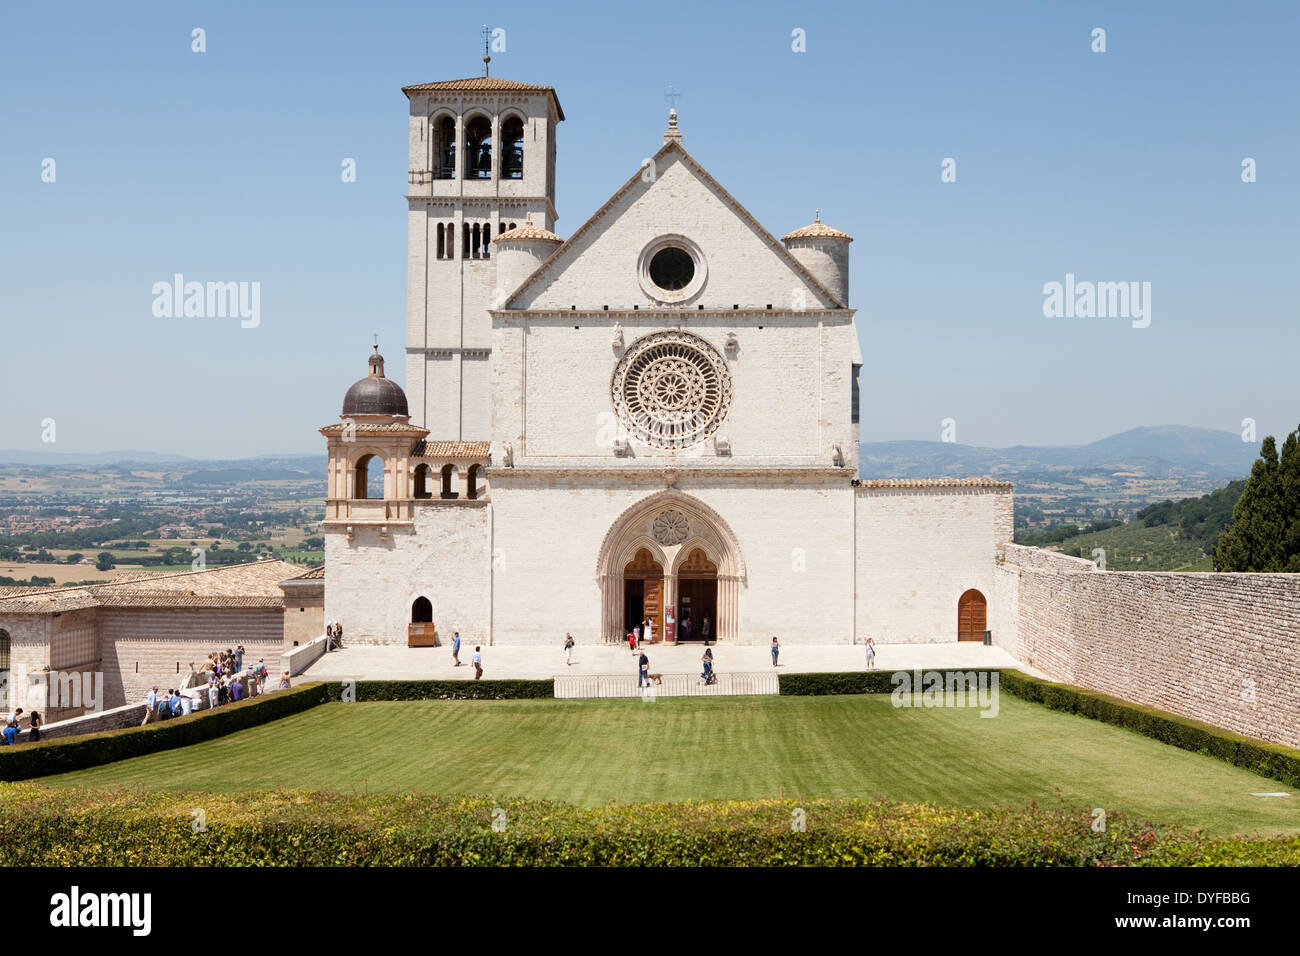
(721, 446)
(837, 455)
(622, 448)
(671, 527)
(508, 455)
(618, 337)
(731, 344)
(671, 389)
(670, 477)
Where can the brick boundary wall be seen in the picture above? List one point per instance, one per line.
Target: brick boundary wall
(1216, 647)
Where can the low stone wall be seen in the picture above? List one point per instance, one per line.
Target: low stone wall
(299, 659)
(1221, 648)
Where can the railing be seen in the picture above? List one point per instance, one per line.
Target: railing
(730, 684)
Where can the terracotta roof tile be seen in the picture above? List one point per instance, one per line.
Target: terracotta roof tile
(816, 230)
(985, 482)
(452, 449)
(525, 233)
(484, 84)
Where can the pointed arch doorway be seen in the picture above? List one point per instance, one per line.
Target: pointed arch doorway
(670, 527)
(697, 597)
(643, 592)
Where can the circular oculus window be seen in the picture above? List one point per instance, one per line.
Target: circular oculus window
(672, 270)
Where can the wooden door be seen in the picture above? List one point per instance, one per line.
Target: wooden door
(972, 616)
(650, 573)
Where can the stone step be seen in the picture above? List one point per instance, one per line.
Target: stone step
(731, 684)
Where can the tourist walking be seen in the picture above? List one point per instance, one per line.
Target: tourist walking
(35, 732)
(212, 695)
(648, 631)
(477, 660)
(568, 649)
(455, 649)
(643, 671)
(632, 641)
(776, 650)
(704, 629)
(871, 654)
(239, 658)
(686, 628)
(150, 706)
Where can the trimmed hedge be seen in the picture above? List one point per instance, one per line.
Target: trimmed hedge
(65, 754)
(1267, 759)
(857, 682)
(45, 827)
(368, 690)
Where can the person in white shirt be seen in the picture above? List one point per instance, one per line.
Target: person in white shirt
(150, 706)
(187, 704)
(212, 695)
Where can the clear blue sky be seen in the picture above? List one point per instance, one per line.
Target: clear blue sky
(225, 165)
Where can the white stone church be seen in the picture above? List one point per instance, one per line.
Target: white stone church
(655, 418)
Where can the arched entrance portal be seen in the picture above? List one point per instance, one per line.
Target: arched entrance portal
(643, 593)
(676, 551)
(972, 616)
(697, 597)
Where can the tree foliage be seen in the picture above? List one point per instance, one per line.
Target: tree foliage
(1265, 530)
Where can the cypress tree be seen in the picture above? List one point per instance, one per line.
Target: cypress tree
(1265, 532)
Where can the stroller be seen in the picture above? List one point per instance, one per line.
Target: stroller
(709, 676)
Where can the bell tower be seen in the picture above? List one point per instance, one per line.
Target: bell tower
(482, 161)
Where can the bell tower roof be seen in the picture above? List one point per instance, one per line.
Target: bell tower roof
(375, 394)
(484, 84)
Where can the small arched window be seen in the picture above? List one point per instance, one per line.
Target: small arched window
(471, 481)
(487, 240)
(444, 148)
(478, 148)
(423, 481)
(449, 476)
(368, 477)
(4, 649)
(512, 156)
(477, 246)
(421, 611)
(465, 242)
(441, 230)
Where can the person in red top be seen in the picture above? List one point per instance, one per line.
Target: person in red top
(631, 641)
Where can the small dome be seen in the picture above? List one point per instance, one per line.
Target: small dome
(526, 233)
(816, 230)
(376, 395)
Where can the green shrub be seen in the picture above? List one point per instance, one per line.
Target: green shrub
(49, 827)
(65, 754)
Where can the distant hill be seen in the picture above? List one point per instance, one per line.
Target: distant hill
(1163, 452)
(13, 456)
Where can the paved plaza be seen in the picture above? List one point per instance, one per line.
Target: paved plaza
(389, 662)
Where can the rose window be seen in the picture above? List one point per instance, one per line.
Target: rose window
(671, 390)
(671, 528)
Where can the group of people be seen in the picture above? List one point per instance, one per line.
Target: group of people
(228, 682)
(333, 636)
(644, 633)
(12, 729)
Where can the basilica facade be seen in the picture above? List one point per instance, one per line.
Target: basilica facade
(655, 418)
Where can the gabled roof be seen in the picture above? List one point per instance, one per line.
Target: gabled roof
(674, 146)
(816, 230)
(484, 84)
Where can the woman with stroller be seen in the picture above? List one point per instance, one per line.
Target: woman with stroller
(708, 666)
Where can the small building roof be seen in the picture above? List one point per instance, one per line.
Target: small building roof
(526, 233)
(452, 450)
(816, 230)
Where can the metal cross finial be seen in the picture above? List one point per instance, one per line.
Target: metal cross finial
(817, 215)
(376, 341)
(672, 96)
(487, 43)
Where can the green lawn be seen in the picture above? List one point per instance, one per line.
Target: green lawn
(591, 752)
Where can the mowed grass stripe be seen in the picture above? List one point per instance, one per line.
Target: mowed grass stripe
(591, 752)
